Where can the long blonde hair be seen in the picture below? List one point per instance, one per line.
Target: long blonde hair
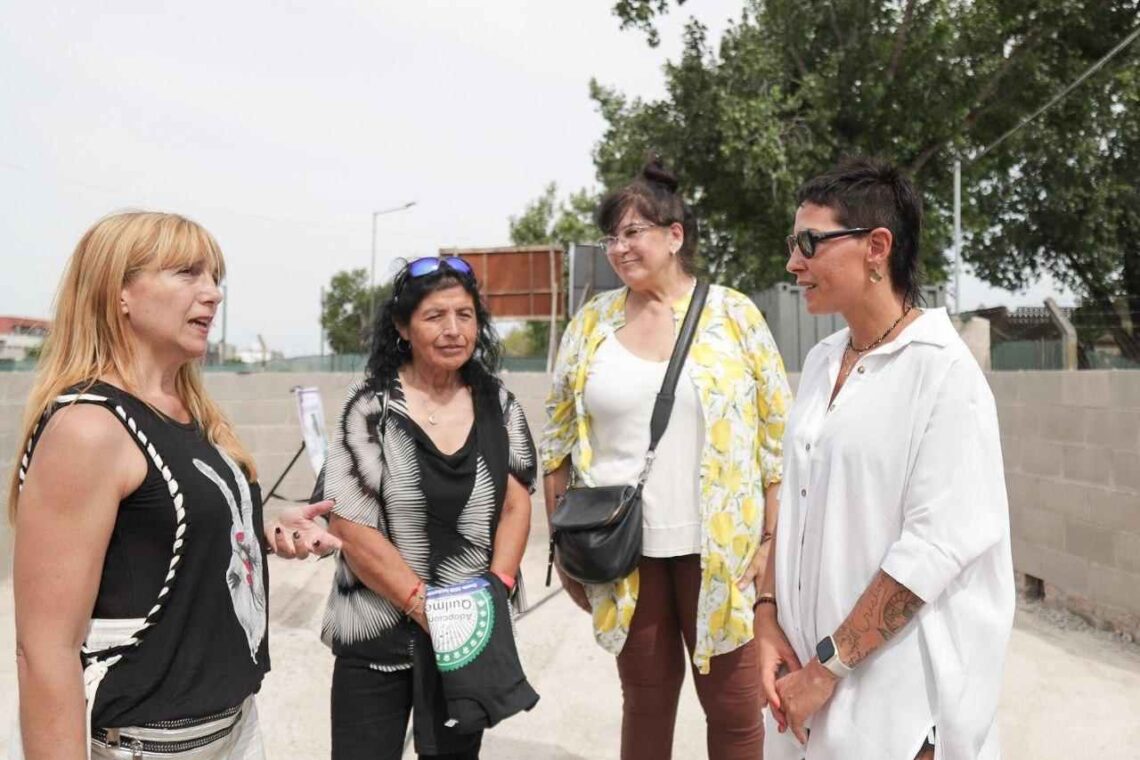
(88, 336)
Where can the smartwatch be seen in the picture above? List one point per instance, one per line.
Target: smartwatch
(828, 655)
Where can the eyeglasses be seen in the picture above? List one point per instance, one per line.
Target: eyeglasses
(431, 264)
(807, 240)
(629, 236)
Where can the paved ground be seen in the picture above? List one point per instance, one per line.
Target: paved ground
(1069, 692)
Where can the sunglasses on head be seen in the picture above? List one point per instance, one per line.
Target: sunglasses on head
(807, 240)
(432, 264)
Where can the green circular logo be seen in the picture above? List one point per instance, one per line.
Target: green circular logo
(461, 618)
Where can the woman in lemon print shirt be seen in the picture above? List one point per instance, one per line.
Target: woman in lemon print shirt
(709, 504)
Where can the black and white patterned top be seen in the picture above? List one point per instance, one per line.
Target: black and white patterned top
(439, 510)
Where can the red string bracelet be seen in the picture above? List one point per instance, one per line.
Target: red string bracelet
(411, 596)
(507, 580)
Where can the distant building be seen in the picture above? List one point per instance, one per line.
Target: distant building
(1022, 323)
(220, 353)
(256, 354)
(21, 336)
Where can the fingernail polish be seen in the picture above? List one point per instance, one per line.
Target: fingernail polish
(296, 535)
(317, 544)
(277, 530)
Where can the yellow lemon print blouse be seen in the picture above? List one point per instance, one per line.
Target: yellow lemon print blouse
(744, 395)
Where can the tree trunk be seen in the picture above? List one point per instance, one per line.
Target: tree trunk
(1129, 339)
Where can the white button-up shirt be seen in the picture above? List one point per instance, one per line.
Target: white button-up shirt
(903, 473)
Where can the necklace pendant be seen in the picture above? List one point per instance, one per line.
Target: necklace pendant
(432, 420)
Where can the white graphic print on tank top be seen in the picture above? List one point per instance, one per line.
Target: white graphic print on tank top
(243, 577)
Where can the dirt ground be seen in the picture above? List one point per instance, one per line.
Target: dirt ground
(1069, 691)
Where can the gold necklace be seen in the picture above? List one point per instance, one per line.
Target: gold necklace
(432, 412)
(425, 396)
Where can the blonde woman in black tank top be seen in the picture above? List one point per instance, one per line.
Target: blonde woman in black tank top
(140, 576)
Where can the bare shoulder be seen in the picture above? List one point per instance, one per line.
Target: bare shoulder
(86, 441)
(84, 427)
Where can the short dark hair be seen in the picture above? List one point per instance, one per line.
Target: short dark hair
(388, 355)
(653, 194)
(870, 192)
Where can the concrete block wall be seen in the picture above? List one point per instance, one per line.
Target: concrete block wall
(1071, 443)
(14, 387)
(264, 411)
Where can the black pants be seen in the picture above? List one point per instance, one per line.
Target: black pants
(370, 710)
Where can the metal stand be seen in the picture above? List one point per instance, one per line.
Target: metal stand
(273, 491)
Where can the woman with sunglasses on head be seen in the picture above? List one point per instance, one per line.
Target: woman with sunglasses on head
(140, 579)
(890, 589)
(709, 503)
(431, 467)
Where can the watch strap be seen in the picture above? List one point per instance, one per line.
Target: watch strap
(838, 668)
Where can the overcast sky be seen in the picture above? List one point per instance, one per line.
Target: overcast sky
(281, 126)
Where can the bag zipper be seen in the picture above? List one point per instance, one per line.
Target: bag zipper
(192, 722)
(113, 737)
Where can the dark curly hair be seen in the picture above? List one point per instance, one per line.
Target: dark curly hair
(480, 373)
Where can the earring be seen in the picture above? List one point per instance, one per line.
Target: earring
(404, 348)
(875, 276)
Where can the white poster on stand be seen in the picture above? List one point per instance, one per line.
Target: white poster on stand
(311, 413)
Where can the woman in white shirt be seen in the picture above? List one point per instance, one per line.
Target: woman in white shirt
(893, 505)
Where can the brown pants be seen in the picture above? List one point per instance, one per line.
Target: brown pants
(652, 667)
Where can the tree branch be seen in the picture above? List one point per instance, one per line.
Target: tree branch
(981, 103)
(835, 24)
(990, 88)
(900, 40)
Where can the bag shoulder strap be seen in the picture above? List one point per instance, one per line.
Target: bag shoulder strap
(663, 406)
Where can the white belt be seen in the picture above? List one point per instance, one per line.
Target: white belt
(104, 634)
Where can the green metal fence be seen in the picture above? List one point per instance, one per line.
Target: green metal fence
(1103, 360)
(10, 365)
(353, 363)
(1027, 354)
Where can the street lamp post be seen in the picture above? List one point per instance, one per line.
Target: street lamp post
(372, 271)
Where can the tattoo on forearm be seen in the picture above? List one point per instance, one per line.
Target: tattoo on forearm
(901, 606)
(884, 609)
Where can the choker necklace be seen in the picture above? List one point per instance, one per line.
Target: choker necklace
(875, 343)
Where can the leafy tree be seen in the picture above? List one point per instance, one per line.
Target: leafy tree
(346, 314)
(639, 14)
(519, 343)
(546, 221)
(796, 84)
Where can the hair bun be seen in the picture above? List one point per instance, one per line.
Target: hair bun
(655, 171)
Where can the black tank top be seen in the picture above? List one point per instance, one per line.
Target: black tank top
(186, 558)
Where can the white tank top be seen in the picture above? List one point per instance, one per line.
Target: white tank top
(619, 395)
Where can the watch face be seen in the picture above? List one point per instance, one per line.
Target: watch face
(825, 649)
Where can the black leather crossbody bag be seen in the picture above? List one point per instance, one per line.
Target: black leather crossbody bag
(595, 533)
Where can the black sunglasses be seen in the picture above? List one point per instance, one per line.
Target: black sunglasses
(807, 240)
